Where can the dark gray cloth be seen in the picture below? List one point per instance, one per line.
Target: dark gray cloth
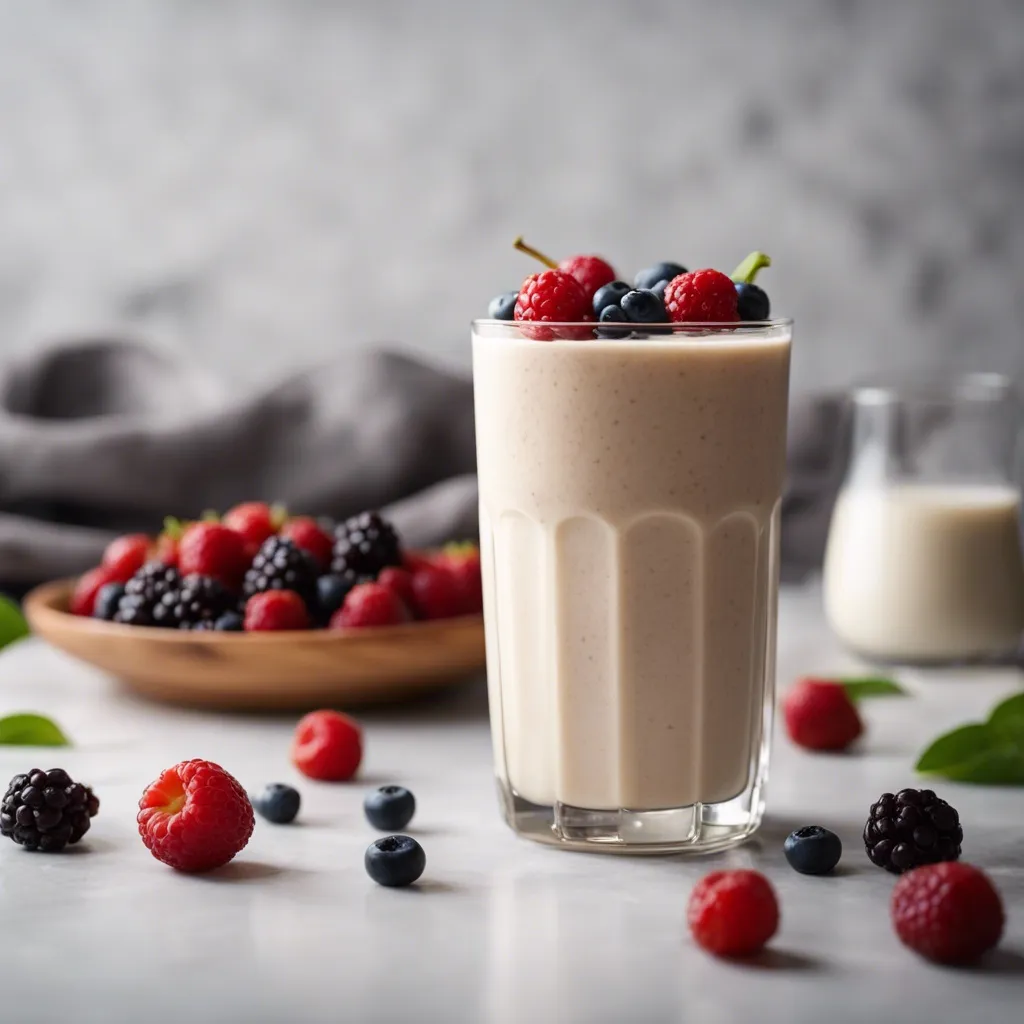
(102, 437)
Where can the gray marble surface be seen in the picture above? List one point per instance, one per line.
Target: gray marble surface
(499, 931)
(266, 182)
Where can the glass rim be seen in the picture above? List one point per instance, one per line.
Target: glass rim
(648, 331)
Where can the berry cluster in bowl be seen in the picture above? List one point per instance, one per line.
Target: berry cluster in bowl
(584, 290)
(257, 569)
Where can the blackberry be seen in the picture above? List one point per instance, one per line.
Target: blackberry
(143, 594)
(47, 810)
(912, 828)
(364, 545)
(281, 565)
(196, 604)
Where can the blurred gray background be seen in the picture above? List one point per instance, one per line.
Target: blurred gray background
(266, 184)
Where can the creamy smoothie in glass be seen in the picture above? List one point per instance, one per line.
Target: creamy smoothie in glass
(629, 518)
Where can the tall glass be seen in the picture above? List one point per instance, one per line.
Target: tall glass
(923, 562)
(629, 520)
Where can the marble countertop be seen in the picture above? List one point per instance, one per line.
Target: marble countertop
(499, 931)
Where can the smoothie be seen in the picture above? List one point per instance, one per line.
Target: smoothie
(921, 572)
(629, 509)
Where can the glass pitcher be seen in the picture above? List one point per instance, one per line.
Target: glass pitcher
(924, 562)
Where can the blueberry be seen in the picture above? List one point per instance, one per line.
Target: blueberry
(752, 302)
(613, 315)
(278, 803)
(395, 860)
(503, 307)
(331, 591)
(659, 289)
(609, 295)
(642, 306)
(389, 808)
(229, 622)
(659, 272)
(813, 850)
(107, 600)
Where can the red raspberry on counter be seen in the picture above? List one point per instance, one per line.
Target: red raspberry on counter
(437, 593)
(83, 597)
(463, 561)
(195, 816)
(327, 746)
(591, 272)
(702, 296)
(819, 715)
(213, 549)
(275, 610)
(950, 913)
(399, 582)
(733, 913)
(370, 604)
(255, 521)
(126, 555)
(305, 533)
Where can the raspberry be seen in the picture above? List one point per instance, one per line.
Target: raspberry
(327, 746)
(733, 913)
(555, 297)
(212, 549)
(83, 597)
(275, 610)
(437, 593)
(365, 544)
(305, 533)
(47, 810)
(912, 828)
(949, 913)
(463, 561)
(165, 547)
(195, 817)
(126, 555)
(702, 296)
(820, 715)
(370, 604)
(413, 561)
(591, 272)
(255, 521)
(399, 582)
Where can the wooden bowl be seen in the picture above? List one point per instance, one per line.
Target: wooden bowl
(314, 668)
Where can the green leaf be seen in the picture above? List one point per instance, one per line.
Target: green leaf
(12, 623)
(872, 687)
(956, 748)
(30, 730)
(1008, 718)
(999, 766)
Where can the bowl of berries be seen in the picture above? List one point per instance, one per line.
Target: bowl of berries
(260, 609)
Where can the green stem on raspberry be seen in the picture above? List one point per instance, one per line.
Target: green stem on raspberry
(173, 527)
(537, 255)
(747, 270)
(278, 515)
